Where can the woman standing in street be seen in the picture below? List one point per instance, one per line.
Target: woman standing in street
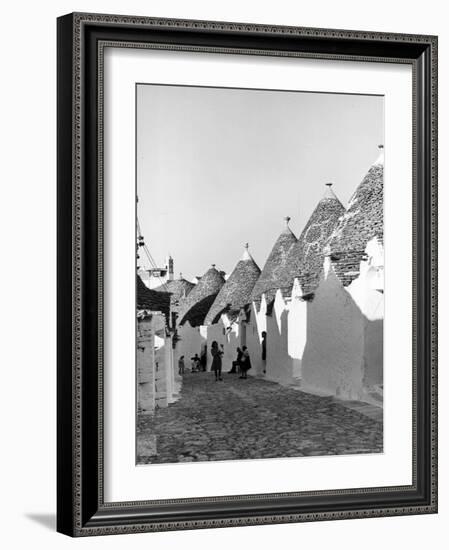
(245, 362)
(216, 360)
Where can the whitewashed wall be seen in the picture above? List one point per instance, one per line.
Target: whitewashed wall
(191, 341)
(279, 367)
(343, 355)
(297, 330)
(227, 334)
(145, 367)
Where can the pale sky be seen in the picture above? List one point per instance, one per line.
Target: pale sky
(218, 167)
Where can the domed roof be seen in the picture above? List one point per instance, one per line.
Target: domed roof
(362, 221)
(273, 273)
(151, 300)
(305, 259)
(236, 291)
(178, 289)
(201, 297)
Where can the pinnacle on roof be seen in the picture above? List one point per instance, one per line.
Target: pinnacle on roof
(273, 273)
(329, 193)
(246, 256)
(198, 302)
(236, 291)
(362, 221)
(381, 158)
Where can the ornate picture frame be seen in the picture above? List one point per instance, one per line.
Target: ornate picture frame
(81, 507)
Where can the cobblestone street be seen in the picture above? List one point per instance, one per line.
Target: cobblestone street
(253, 418)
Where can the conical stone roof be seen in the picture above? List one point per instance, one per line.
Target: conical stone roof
(273, 274)
(362, 221)
(151, 300)
(306, 257)
(178, 289)
(201, 297)
(236, 291)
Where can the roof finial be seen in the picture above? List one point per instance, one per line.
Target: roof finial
(213, 265)
(380, 158)
(246, 254)
(329, 193)
(287, 219)
(180, 274)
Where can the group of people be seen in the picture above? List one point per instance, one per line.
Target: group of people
(241, 365)
(196, 364)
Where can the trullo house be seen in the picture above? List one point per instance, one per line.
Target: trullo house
(303, 271)
(224, 320)
(259, 316)
(191, 330)
(344, 351)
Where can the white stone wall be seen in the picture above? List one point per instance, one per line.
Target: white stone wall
(157, 385)
(191, 341)
(279, 367)
(253, 338)
(145, 367)
(228, 335)
(343, 355)
(297, 330)
(332, 361)
(367, 292)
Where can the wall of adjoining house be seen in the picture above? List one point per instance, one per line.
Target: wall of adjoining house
(253, 336)
(332, 361)
(279, 366)
(226, 334)
(367, 290)
(145, 367)
(344, 350)
(156, 386)
(190, 341)
(253, 341)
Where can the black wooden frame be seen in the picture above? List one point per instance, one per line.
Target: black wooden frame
(81, 510)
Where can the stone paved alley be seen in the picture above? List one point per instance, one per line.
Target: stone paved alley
(253, 418)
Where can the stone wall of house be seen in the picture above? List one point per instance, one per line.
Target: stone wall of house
(343, 355)
(332, 362)
(297, 329)
(146, 397)
(254, 326)
(252, 339)
(156, 382)
(191, 340)
(279, 366)
(227, 334)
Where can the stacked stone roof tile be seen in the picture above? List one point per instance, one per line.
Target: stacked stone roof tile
(236, 291)
(178, 289)
(362, 222)
(151, 300)
(305, 260)
(197, 304)
(273, 274)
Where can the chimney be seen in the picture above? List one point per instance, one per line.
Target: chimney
(170, 268)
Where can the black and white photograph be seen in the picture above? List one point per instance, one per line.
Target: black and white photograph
(259, 273)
